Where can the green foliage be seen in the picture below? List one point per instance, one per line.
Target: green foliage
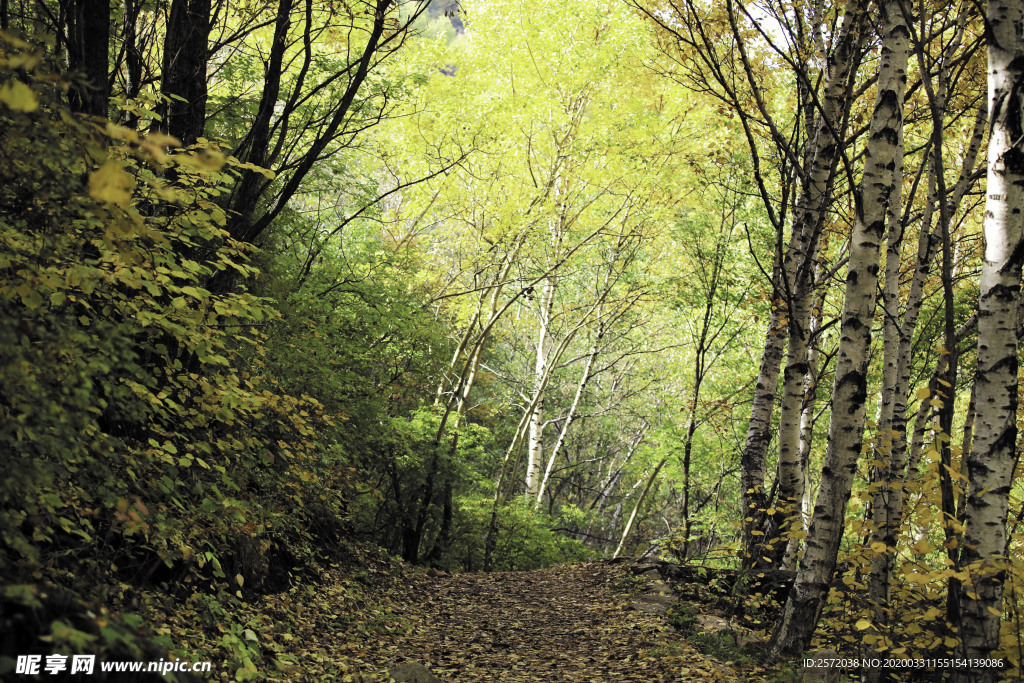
(142, 439)
(524, 540)
(683, 617)
(43, 620)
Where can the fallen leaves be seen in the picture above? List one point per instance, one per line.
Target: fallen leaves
(566, 623)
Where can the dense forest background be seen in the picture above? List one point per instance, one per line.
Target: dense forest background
(499, 284)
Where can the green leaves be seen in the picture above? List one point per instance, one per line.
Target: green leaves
(18, 96)
(140, 422)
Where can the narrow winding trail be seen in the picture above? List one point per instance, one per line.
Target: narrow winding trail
(568, 623)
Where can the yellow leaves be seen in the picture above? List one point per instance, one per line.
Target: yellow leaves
(111, 184)
(862, 624)
(956, 475)
(27, 60)
(18, 97)
(157, 143)
(922, 547)
(266, 173)
(918, 578)
(879, 547)
(31, 298)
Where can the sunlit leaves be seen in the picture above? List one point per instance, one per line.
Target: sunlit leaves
(136, 403)
(17, 96)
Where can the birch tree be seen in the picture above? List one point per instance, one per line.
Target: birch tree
(878, 192)
(898, 329)
(809, 144)
(990, 464)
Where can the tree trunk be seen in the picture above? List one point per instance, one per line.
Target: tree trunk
(990, 464)
(535, 442)
(132, 55)
(88, 32)
(790, 472)
(824, 150)
(879, 187)
(570, 416)
(888, 500)
(636, 508)
(755, 449)
(184, 69)
(806, 430)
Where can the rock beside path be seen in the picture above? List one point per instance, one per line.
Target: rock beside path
(412, 672)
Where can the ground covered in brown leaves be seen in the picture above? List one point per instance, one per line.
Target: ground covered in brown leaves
(560, 624)
(611, 622)
(566, 623)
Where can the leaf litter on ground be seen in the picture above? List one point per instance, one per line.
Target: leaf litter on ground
(564, 623)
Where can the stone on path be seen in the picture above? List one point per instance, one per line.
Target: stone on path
(412, 672)
(656, 600)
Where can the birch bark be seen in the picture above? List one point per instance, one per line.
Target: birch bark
(797, 281)
(535, 451)
(880, 186)
(990, 464)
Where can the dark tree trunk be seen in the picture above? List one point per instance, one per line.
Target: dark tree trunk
(184, 69)
(88, 45)
(132, 50)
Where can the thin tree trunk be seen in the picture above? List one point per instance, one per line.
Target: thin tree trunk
(88, 33)
(795, 377)
(797, 269)
(806, 430)
(700, 365)
(570, 416)
(880, 187)
(636, 508)
(132, 50)
(887, 507)
(755, 449)
(535, 443)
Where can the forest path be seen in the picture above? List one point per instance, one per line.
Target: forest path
(566, 623)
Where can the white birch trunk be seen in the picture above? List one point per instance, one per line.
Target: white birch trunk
(535, 442)
(990, 464)
(795, 377)
(569, 417)
(636, 508)
(797, 267)
(806, 432)
(879, 187)
(888, 500)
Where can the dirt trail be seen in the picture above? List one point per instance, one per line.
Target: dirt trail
(570, 623)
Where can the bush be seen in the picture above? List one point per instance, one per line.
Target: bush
(141, 440)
